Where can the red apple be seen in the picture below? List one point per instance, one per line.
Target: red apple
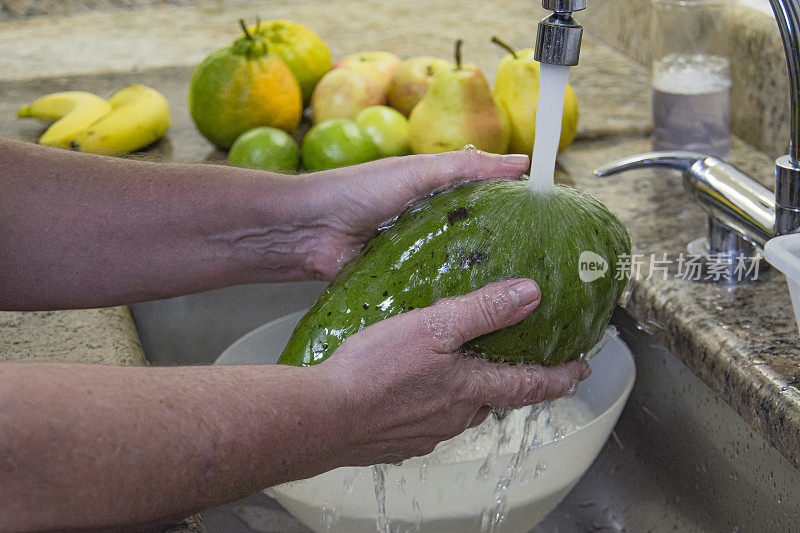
(411, 80)
(342, 93)
(379, 66)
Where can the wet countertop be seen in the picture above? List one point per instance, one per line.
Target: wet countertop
(743, 343)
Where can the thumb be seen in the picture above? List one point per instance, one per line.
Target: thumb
(428, 173)
(453, 321)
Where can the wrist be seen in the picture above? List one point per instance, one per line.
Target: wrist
(342, 414)
(275, 228)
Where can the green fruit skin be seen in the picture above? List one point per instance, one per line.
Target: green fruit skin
(387, 128)
(267, 149)
(461, 239)
(350, 146)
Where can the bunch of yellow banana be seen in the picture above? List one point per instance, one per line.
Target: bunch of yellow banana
(132, 118)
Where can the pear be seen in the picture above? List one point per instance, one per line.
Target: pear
(458, 110)
(516, 89)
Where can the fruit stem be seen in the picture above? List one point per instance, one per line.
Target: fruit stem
(459, 42)
(497, 40)
(244, 28)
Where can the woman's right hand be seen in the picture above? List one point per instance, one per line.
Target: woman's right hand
(406, 387)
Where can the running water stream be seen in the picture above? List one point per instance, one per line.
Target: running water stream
(379, 478)
(552, 86)
(495, 515)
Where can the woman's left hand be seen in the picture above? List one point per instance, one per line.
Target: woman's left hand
(348, 204)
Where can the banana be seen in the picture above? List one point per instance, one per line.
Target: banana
(70, 112)
(139, 117)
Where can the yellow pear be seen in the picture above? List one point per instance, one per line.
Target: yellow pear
(516, 89)
(458, 110)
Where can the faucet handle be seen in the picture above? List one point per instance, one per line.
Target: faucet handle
(741, 211)
(674, 160)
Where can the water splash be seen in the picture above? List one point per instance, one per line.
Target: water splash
(379, 478)
(495, 515)
(329, 517)
(552, 86)
(504, 437)
(610, 333)
(417, 514)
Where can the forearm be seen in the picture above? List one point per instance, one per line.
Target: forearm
(90, 446)
(89, 231)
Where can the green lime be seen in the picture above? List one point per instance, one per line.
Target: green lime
(387, 128)
(266, 149)
(337, 142)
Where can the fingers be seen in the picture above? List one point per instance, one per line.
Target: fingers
(428, 173)
(451, 322)
(503, 386)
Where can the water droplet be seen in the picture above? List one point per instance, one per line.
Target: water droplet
(417, 514)
(329, 517)
(423, 472)
(469, 147)
(348, 484)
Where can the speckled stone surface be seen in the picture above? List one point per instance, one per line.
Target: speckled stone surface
(104, 336)
(17, 9)
(760, 93)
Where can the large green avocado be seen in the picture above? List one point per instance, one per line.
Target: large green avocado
(461, 239)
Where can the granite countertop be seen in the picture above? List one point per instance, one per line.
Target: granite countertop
(743, 343)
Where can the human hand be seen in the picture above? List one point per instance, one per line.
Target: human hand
(406, 387)
(348, 204)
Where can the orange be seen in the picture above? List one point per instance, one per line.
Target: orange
(241, 87)
(306, 55)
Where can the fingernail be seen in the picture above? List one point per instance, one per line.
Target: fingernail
(524, 292)
(517, 160)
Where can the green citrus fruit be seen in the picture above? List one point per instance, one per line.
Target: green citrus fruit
(241, 87)
(337, 142)
(387, 128)
(266, 149)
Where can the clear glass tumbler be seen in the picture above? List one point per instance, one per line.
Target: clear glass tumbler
(691, 76)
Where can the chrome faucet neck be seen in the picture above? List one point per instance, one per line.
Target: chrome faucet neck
(787, 176)
(787, 13)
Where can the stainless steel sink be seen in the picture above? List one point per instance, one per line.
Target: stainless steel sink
(680, 459)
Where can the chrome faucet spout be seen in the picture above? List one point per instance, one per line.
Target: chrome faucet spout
(558, 38)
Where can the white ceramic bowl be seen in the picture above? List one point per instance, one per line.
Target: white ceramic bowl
(449, 497)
